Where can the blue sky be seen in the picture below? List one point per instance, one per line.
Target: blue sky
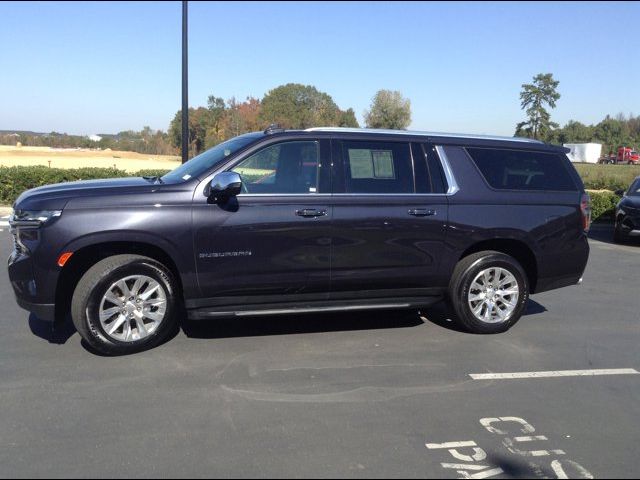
(90, 67)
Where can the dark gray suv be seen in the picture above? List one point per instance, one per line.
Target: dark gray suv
(324, 219)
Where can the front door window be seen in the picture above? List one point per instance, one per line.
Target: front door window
(289, 167)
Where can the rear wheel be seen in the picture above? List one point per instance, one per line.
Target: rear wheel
(488, 292)
(125, 304)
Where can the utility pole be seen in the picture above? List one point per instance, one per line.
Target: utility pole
(185, 85)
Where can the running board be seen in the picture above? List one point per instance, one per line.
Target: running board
(283, 309)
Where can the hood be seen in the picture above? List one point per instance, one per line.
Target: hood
(55, 197)
(632, 201)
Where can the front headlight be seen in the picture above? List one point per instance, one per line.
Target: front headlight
(25, 226)
(32, 218)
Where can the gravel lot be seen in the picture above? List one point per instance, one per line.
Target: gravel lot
(378, 394)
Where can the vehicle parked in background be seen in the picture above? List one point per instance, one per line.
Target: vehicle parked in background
(609, 159)
(627, 218)
(584, 152)
(623, 156)
(318, 220)
(628, 155)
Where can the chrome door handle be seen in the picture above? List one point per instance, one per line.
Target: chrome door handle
(422, 212)
(310, 212)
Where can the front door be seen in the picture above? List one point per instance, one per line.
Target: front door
(272, 242)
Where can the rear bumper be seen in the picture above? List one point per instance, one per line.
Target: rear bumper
(564, 268)
(546, 284)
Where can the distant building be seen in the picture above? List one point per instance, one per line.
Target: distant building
(95, 138)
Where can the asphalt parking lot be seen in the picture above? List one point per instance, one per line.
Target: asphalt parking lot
(379, 394)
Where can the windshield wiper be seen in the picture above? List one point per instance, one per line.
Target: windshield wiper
(153, 178)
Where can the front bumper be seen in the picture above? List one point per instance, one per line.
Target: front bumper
(44, 311)
(30, 293)
(630, 225)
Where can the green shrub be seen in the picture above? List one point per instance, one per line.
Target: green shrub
(149, 172)
(15, 180)
(603, 204)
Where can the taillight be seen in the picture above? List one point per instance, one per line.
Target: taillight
(585, 208)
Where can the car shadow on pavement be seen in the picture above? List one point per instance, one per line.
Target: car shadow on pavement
(440, 314)
(303, 323)
(518, 467)
(57, 333)
(603, 232)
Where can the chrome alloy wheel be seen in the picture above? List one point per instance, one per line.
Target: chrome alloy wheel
(132, 308)
(493, 295)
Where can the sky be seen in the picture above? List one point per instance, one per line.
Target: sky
(104, 67)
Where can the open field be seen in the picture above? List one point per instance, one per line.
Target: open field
(74, 158)
(610, 177)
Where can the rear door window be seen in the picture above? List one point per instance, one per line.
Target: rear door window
(523, 170)
(377, 167)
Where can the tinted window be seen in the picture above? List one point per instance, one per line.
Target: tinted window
(290, 167)
(522, 170)
(207, 160)
(377, 167)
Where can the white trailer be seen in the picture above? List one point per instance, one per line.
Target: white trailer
(584, 152)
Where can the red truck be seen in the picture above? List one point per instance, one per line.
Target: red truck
(625, 155)
(628, 155)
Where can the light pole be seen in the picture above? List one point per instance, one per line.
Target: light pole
(185, 84)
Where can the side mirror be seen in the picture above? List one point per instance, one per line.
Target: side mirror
(620, 193)
(224, 185)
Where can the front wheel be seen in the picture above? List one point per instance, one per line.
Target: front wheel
(488, 292)
(125, 304)
(618, 237)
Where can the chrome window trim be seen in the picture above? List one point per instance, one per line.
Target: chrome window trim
(409, 195)
(453, 187)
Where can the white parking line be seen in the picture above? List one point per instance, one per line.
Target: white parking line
(556, 373)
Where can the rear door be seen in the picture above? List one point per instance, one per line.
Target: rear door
(389, 218)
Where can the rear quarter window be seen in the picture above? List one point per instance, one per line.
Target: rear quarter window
(505, 169)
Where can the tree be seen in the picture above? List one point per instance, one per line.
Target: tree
(214, 122)
(199, 121)
(242, 117)
(389, 110)
(299, 106)
(533, 97)
(348, 119)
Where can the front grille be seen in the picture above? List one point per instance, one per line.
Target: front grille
(16, 246)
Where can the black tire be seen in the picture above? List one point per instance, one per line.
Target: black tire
(93, 286)
(618, 237)
(462, 278)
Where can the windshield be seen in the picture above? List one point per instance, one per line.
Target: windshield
(206, 160)
(634, 191)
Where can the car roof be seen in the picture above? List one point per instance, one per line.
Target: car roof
(458, 139)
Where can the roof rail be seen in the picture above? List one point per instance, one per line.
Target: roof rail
(420, 133)
(273, 128)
